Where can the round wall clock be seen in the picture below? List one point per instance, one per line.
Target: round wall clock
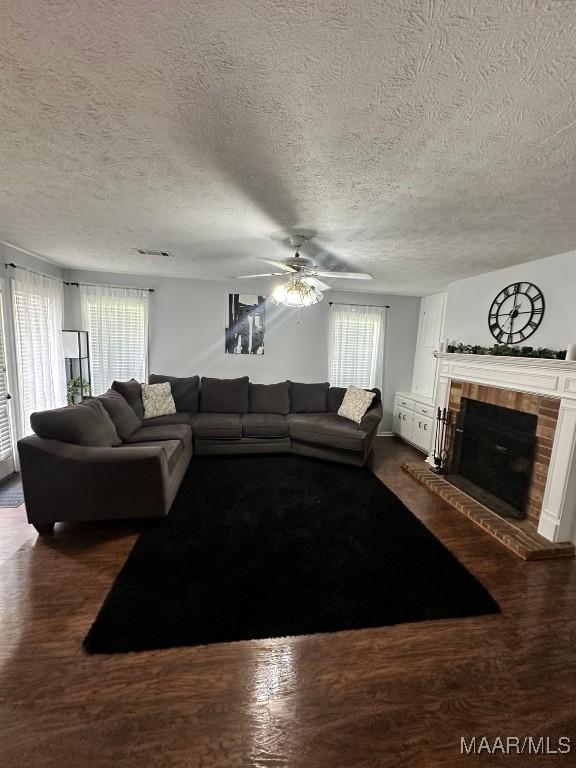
(516, 313)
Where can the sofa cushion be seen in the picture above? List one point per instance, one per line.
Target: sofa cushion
(269, 398)
(131, 391)
(185, 391)
(87, 423)
(308, 398)
(227, 426)
(123, 417)
(173, 449)
(157, 400)
(264, 425)
(173, 418)
(336, 396)
(224, 395)
(165, 432)
(355, 404)
(327, 429)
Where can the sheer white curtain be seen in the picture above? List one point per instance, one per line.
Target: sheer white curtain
(37, 302)
(117, 323)
(356, 345)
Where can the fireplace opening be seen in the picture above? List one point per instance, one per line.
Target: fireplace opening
(492, 456)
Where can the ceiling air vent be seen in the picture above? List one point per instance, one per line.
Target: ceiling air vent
(154, 252)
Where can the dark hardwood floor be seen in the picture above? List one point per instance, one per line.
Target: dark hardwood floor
(397, 696)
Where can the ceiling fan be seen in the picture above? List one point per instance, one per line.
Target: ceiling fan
(302, 286)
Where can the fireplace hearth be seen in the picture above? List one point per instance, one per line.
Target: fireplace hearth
(492, 455)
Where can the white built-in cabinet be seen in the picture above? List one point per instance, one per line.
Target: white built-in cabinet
(414, 420)
(430, 331)
(413, 411)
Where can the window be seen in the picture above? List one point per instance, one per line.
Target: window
(117, 323)
(37, 302)
(356, 346)
(6, 454)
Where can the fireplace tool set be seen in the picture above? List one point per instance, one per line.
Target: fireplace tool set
(440, 453)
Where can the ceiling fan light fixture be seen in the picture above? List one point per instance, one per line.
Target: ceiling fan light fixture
(296, 293)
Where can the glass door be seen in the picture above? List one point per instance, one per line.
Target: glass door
(6, 452)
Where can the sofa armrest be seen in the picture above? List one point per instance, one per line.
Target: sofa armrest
(70, 482)
(372, 419)
(370, 424)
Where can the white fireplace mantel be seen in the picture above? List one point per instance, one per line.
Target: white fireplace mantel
(551, 378)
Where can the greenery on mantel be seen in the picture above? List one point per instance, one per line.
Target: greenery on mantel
(507, 351)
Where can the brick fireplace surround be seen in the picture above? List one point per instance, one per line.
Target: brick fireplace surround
(545, 408)
(546, 388)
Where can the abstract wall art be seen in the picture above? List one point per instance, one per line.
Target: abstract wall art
(245, 324)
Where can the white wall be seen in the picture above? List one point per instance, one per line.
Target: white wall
(469, 301)
(9, 254)
(187, 320)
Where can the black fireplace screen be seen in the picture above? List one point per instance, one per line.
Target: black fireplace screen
(493, 454)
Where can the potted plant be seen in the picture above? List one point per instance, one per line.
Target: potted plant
(76, 390)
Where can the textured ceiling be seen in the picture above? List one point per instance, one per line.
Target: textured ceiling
(423, 141)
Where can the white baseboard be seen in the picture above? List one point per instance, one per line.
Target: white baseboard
(385, 434)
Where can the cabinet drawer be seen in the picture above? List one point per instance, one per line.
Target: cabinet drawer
(425, 410)
(403, 402)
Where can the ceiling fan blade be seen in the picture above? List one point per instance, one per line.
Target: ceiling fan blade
(316, 283)
(279, 265)
(247, 277)
(328, 258)
(331, 263)
(347, 275)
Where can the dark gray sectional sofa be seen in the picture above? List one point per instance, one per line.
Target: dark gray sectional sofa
(102, 460)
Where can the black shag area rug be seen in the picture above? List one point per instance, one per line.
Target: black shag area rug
(268, 546)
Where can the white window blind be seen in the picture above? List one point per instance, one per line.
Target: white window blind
(356, 345)
(37, 302)
(117, 323)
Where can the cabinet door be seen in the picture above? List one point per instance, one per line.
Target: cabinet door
(402, 424)
(397, 421)
(422, 427)
(430, 330)
(406, 424)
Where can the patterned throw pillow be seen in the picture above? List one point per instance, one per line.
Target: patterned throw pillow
(355, 404)
(157, 400)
